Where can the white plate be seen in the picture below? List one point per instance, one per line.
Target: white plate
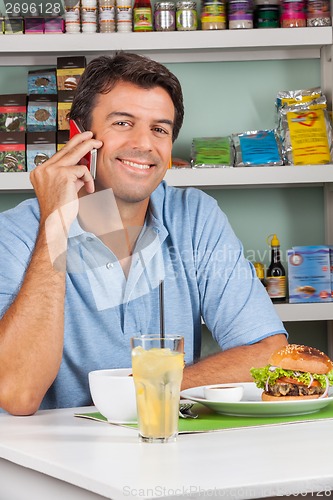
(251, 404)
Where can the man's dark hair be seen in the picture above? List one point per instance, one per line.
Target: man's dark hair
(103, 73)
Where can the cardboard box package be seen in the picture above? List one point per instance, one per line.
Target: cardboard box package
(12, 152)
(69, 71)
(42, 113)
(309, 274)
(65, 100)
(13, 111)
(40, 147)
(42, 81)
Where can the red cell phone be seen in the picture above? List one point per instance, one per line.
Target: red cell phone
(90, 159)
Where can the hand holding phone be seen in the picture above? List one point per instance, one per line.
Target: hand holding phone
(90, 159)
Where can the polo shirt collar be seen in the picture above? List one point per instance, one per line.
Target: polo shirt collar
(154, 218)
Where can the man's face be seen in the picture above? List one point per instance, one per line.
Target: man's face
(135, 126)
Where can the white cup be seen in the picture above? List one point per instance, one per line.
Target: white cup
(113, 394)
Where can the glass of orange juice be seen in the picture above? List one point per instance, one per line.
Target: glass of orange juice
(157, 365)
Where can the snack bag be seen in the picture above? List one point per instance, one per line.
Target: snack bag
(306, 133)
(257, 148)
(211, 152)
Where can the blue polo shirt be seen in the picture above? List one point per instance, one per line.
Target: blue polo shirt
(187, 242)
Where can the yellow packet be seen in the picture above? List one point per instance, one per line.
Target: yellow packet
(306, 133)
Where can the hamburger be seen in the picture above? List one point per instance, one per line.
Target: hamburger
(295, 372)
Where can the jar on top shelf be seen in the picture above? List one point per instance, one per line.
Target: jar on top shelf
(106, 18)
(89, 16)
(267, 14)
(124, 16)
(293, 14)
(165, 16)
(72, 16)
(186, 16)
(318, 13)
(240, 14)
(213, 15)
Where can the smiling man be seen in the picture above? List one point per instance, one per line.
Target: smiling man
(137, 142)
(81, 263)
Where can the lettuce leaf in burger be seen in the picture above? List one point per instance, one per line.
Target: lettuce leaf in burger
(295, 372)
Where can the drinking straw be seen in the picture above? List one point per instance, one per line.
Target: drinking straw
(161, 297)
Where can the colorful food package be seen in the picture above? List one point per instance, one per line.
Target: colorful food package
(13, 25)
(291, 97)
(309, 274)
(69, 71)
(65, 100)
(42, 113)
(211, 152)
(35, 25)
(257, 148)
(13, 111)
(305, 130)
(12, 152)
(54, 25)
(42, 81)
(40, 147)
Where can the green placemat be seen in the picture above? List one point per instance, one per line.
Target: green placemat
(210, 421)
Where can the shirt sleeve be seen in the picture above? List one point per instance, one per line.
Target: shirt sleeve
(234, 304)
(17, 239)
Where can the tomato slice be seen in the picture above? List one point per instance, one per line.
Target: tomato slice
(289, 380)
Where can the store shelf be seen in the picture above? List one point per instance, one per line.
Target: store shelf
(251, 176)
(13, 182)
(177, 46)
(305, 312)
(215, 177)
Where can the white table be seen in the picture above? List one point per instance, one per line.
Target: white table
(53, 455)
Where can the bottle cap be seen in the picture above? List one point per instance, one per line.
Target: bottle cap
(259, 267)
(274, 241)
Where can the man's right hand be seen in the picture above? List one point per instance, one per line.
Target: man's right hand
(58, 180)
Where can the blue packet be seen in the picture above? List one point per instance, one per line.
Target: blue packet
(257, 148)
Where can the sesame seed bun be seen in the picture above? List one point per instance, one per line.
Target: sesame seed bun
(301, 358)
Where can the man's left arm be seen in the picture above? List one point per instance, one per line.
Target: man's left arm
(232, 365)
